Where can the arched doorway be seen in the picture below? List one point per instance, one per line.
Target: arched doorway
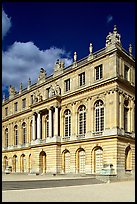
(22, 163)
(98, 159)
(14, 163)
(80, 160)
(66, 161)
(5, 162)
(128, 159)
(42, 162)
(29, 164)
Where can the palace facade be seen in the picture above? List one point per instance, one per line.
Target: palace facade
(80, 119)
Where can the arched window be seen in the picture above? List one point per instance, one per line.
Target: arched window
(15, 135)
(24, 139)
(82, 120)
(126, 110)
(67, 123)
(99, 116)
(6, 137)
(128, 159)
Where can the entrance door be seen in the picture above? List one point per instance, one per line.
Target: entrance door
(98, 160)
(67, 162)
(82, 161)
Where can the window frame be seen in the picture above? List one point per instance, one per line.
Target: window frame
(23, 103)
(6, 137)
(99, 116)
(15, 135)
(6, 111)
(16, 107)
(126, 72)
(67, 123)
(99, 69)
(82, 120)
(67, 85)
(82, 78)
(24, 133)
(31, 99)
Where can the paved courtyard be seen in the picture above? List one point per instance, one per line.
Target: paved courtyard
(123, 191)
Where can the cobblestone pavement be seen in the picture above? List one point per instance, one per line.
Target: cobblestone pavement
(123, 191)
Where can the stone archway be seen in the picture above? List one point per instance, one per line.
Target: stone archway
(80, 161)
(22, 163)
(29, 164)
(66, 161)
(14, 161)
(42, 162)
(98, 159)
(5, 162)
(128, 159)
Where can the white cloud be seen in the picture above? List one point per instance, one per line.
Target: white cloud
(6, 23)
(24, 60)
(109, 18)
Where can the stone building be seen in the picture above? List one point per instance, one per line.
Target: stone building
(80, 119)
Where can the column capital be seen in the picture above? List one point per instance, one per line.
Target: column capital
(34, 113)
(50, 108)
(38, 112)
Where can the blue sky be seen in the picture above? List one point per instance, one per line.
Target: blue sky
(36, 34)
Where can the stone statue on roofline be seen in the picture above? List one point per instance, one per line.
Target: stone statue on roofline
(12, 91)
(59, 67)
(113, 38)
(42, 75)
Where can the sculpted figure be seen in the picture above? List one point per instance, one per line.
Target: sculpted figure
(51, 91)
(58, 90)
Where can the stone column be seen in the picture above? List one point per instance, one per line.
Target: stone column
(33, 127)
(50, 122)
(120, 66)
(38, 126)
(107, 121)
(121, 112)
(89, 118)
(133, 117)
(3, 136)
(27, 131)
(56, 121)
(19, 127)
(74, 121)
(116, 108)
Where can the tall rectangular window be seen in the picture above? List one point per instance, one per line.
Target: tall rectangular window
(99, 116)
(24, 103)
(98, 72)
(6, 111)
(82, 79)
(67, 122)
(6, 138)
(48, 92)
(16, 135)
(16, 107)
(67, 85)
(82, 120)
(126, 72)
(31, 99)
(126, 119)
